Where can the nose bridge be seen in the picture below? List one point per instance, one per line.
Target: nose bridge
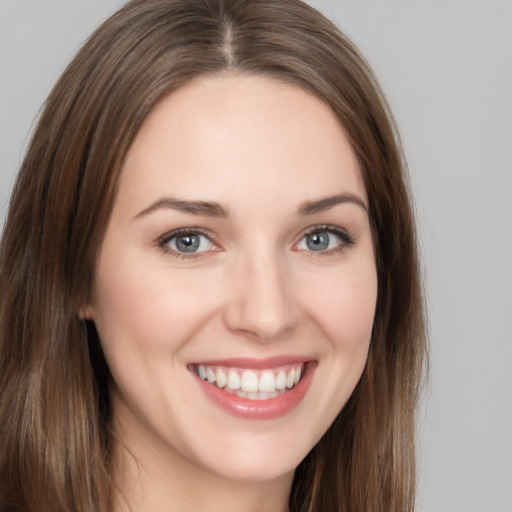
(262, 303)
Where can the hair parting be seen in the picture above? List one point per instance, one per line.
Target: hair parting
(54, 382)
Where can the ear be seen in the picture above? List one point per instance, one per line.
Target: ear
(86, 313)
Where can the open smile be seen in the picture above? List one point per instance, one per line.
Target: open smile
(252, 384)
(255, 389)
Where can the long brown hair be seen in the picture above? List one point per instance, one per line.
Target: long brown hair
(54, 408)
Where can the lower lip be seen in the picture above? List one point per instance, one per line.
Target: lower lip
(260, 409)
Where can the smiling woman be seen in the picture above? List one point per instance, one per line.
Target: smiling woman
(215, 309)
(210, 295)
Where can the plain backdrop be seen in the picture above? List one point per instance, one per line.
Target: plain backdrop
(446, 66)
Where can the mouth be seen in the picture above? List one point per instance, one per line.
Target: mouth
(251, 383)
(255, 389)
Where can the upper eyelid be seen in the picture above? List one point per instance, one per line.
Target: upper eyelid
(323, 227)
(184, 231)
(326, 227)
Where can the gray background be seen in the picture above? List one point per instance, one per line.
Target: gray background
(447, 69)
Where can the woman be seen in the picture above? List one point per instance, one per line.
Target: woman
(210, 288)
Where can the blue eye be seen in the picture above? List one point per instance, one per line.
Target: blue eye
(184, 243)
(325, 240)
(318, 241)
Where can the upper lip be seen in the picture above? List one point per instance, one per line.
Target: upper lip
(256, 363)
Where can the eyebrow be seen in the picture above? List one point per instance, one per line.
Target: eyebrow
(211, 209)
(205, 208)
(323, 204)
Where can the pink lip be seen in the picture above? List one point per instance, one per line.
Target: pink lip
(258, 409)
(256, 364)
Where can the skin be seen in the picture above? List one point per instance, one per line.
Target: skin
(260, 149)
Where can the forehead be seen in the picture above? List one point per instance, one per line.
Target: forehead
(232, 138)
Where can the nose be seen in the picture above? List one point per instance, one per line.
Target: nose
(262, 304)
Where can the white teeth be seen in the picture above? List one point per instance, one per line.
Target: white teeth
(262, 396)
(267, 383)
(249, 382)
(290, 379)
(255, 385)
(210, 376)
(221, 378)
(253, 396)
(281, 380)
(233, 380)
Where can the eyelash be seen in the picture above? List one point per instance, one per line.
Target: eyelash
(346, 241)
(165, 239)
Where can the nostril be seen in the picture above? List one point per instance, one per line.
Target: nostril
(264, 327)
(261, 304)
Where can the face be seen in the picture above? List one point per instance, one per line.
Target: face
(235, 287)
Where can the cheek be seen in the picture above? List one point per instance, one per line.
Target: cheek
(344, 310)
(147, 308)
(344, 306)
(143, 319)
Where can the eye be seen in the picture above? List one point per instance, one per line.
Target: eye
(325, 240)
(186, 243)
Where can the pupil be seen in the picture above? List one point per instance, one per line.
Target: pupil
(187, 243)
(318, 241)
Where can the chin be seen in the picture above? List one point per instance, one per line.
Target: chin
(257, 458)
